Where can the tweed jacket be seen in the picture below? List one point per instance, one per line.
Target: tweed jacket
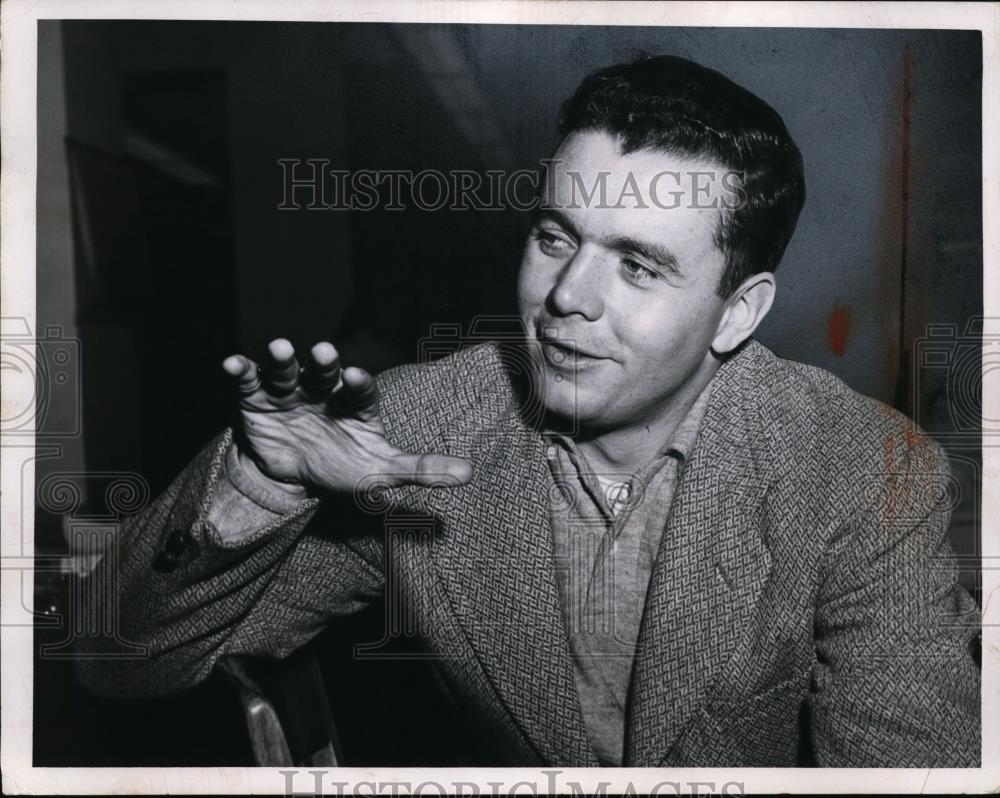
(804, 591)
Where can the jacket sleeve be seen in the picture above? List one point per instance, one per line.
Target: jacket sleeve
(178, 594)
(896, 684)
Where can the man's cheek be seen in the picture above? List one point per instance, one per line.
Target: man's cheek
(536, 289)
(528, 300)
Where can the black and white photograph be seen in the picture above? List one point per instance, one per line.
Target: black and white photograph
(397, 395)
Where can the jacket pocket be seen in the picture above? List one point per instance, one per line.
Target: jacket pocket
(759, 729)
(732, 705)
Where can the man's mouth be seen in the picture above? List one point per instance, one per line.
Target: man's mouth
(565, 354)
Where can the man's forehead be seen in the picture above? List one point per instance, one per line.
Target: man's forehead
(590, 171)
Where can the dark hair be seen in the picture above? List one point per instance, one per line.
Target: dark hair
(675, 105)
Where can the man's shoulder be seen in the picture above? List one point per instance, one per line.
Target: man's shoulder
(467, 387)
(464, 365)
(818, 414)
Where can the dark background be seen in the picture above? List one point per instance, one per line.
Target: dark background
(161, 250)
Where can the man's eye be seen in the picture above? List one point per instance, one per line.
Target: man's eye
(636, 272)
(551, 243)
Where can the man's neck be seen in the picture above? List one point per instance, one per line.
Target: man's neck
(626, 449)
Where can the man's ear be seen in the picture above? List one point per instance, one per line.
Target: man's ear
(745, 309)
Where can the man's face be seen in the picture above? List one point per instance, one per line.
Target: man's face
(621, 299)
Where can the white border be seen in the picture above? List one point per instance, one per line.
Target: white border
(18, 78)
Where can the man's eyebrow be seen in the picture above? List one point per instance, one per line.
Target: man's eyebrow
(557, 216)
(657, 253)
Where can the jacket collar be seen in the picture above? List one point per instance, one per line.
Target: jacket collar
(712, 562)
(495, 562)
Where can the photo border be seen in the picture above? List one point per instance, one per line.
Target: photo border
(18, 87)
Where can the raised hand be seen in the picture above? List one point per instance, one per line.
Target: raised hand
(319, 426)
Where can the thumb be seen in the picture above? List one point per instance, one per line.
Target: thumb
(430, 470)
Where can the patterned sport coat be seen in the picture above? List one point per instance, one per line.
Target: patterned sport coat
(804, 591)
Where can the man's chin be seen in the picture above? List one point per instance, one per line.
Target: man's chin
(568, 407)
(565, 399)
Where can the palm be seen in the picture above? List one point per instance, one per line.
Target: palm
(326, 433)
(337, 449)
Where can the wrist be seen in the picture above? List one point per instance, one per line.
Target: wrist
(252, 471)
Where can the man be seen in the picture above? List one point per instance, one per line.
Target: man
(697, 554)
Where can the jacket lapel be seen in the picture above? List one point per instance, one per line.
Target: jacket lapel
(711, 565)
(494, 558)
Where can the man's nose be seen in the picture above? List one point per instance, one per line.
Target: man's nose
(578, 287)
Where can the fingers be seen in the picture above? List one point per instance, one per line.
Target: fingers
(279, 377)
(322, 374)
(431, 470)
(281, 369)
(360, 391)
(244, 372)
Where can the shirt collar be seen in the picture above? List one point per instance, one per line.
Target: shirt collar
(680, 445)
(685, 436)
